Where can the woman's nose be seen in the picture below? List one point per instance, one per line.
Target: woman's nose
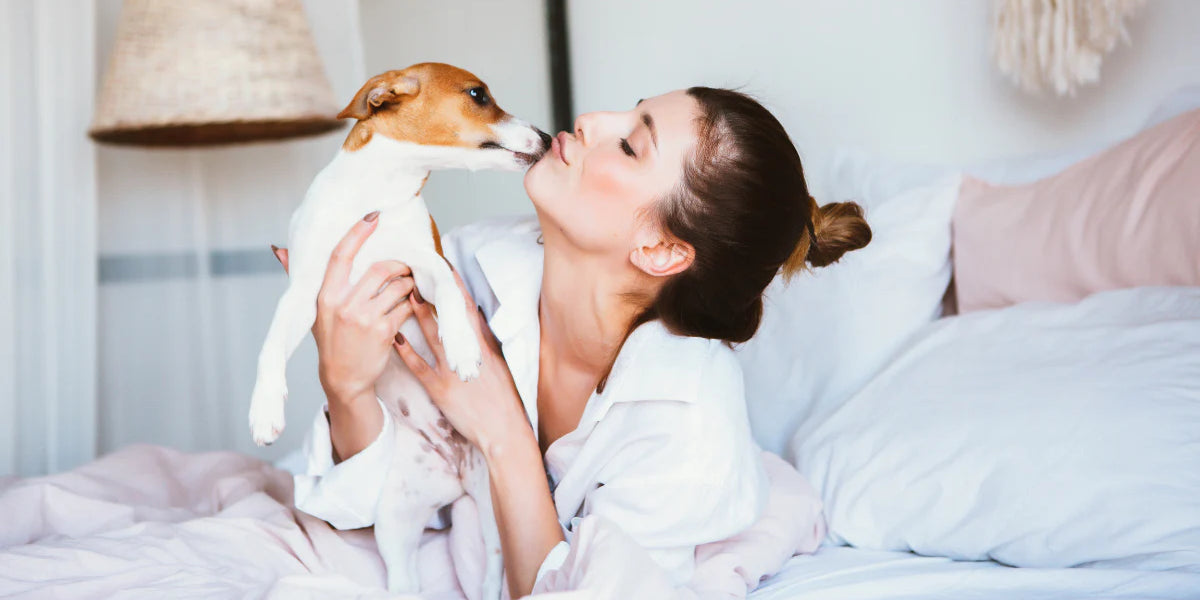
(589, 125)
(582, 122)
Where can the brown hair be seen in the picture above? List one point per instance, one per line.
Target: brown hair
(744, 206)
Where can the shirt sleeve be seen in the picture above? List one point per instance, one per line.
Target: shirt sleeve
(554, 560)
(346, 493)
(692, 478)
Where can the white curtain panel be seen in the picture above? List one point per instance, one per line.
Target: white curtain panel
(47, 236)
(187, 282)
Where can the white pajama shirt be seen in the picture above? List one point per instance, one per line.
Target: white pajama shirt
(665, 452)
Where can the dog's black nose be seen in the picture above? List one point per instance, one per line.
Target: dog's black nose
(545, 138)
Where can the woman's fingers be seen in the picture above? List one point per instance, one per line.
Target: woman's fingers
(281, 254)
(371, 284)
(394, 293)
(398, 315)
(413, 361)
(342, 257)
(487, 334)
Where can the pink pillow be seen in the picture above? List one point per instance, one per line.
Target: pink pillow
(1127, 217)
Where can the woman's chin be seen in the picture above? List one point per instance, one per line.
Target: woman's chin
(536, 181)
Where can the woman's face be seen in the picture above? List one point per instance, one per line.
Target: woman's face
(595, 185)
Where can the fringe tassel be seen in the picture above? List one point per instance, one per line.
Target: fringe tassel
(1057, 43)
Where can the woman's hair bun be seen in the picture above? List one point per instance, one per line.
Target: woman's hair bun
(839, 228)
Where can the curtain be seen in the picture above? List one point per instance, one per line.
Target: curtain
(47, 236)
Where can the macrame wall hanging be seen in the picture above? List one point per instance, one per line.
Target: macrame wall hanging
(1057, 44)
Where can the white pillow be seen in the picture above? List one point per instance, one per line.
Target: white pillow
(827, 332)
(1039, 435)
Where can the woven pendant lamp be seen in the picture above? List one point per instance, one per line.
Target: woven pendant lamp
(202, 72)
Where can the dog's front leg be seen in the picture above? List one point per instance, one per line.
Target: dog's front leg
(436, 284)
(294, 317)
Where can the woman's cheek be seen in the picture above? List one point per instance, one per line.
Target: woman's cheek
(608, 179)
(611, 199)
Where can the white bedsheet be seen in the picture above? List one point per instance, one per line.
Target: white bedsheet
(842, 572)
(152, 522)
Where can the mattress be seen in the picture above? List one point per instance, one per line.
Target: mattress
(842, 572)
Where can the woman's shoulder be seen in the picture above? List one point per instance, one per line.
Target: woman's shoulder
(658, 364)
(684, 396)
(654, 342)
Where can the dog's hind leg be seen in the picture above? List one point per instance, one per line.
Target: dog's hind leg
(398, 532)
(294, 317)
(479, 488)
(417, 484)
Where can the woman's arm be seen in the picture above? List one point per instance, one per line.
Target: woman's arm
(524, 509)
(353, 423)
(488, 412)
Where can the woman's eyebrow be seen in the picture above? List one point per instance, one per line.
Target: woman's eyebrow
(649, 121)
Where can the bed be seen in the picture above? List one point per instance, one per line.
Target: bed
(1029, 447)
(842, 572)
(150, 522)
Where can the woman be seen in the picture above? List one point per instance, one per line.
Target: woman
(660, 227)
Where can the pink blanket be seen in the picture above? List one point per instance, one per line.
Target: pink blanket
(153, 522)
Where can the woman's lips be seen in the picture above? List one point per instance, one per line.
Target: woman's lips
(556, 146)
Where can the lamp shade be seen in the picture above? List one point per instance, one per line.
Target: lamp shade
(207, 72)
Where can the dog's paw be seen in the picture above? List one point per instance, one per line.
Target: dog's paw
(463, 354)
(266, 413)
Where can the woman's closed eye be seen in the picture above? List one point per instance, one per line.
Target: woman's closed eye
(626, 148)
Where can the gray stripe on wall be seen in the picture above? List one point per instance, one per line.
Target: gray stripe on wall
(125, 268)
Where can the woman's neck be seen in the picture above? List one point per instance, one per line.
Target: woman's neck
(586, 308)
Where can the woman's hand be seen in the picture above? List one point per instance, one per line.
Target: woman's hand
(355, 328)
(485, 410)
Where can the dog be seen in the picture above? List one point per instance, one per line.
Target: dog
(408, 122)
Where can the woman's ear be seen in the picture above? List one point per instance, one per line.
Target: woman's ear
(664, 258)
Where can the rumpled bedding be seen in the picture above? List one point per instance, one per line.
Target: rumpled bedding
(151, 522)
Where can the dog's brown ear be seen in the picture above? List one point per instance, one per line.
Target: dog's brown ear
(377, 92)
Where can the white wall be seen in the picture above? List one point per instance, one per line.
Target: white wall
(911, 80)
(502, 42)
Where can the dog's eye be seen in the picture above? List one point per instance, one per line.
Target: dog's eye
(479, 95)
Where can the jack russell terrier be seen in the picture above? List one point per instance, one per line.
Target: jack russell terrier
(428, 116)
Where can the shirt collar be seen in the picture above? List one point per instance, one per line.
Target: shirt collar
(653, 364)
(512, 266)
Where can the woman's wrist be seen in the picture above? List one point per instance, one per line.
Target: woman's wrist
(354, 423)
(335, 395)
(337, 392)
(515, 439)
